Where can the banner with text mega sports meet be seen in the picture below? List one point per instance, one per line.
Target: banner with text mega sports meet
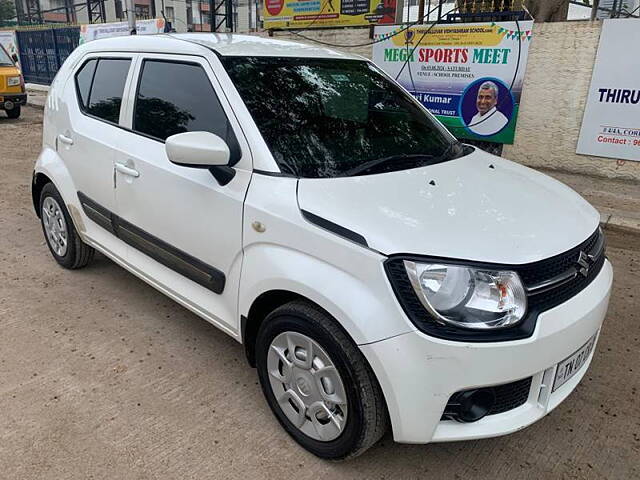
(611, 122)
(469, 75)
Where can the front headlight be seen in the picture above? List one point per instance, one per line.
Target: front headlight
(468, 297)
(13, 81)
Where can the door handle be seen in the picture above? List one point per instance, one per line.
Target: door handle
(66, 140)
(125, 170)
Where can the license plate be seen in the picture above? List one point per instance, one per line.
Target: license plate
(570, 366)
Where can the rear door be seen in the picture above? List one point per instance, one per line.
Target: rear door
(88, 136)
(184, 229)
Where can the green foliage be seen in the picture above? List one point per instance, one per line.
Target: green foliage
(7, 10)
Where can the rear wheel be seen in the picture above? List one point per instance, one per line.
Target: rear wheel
(318, 383)
(14, 112)
(62, 238)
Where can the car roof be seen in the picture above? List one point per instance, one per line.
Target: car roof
(226, 44)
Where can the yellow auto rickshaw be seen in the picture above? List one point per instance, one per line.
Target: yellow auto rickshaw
(12, 90)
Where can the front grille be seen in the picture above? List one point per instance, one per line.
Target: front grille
(531, 274)
(508, 396)
(559, 264)
(544, 269)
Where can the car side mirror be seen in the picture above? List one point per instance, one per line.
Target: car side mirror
(14, 57)
(197, 149)
(201, 150)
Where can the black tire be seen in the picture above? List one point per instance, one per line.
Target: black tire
(78, 253)
(14, 112)
(367, 420)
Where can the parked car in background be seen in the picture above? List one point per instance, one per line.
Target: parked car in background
(377, 271)
(12, 89)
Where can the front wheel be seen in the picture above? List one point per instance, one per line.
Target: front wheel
(14, 112)
(318, 383)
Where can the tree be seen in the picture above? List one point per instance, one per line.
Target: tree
(548, 10)
(7, 10)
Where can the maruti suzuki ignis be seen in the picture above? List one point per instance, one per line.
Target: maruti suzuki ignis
(379, 273)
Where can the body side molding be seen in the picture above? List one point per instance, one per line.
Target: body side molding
(162, 252)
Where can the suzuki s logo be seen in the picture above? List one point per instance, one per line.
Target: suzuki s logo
(583, 262)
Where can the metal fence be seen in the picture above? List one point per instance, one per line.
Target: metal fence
(42, 52)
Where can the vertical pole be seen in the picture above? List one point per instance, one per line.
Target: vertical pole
(398, 16)
(74, 14)
(19, 12)
(420, 11)
(45, 53)
(440, 10)
(228, 13)
(212, 16)
(56, 56)
(131, 16)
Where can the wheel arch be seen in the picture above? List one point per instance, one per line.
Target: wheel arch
(50, 168)
(261, 307)
(37, 184)
(360, 301)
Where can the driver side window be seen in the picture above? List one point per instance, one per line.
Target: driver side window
(177, 97)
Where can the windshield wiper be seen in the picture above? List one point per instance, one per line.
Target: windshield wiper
(401, 159)
(446, 155)
(378, 162)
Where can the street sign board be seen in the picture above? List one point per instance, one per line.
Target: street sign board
(611, 122)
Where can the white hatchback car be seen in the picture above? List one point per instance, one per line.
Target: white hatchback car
(376, 269)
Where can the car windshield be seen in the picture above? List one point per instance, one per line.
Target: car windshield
(5, 59)
(333, 117)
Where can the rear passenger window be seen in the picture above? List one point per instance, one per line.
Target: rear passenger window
(100, 85)
(107, 89)
(83, 81)
(176, 98)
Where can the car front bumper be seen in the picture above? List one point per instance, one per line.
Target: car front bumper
(14, 99)
(418, 374)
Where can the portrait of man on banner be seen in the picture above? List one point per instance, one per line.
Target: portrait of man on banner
(489, 118)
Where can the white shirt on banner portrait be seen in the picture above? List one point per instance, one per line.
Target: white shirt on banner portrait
(488, 124)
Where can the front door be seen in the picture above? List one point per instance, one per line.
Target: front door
(184, 229)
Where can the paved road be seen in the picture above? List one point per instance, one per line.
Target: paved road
(103, 377)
